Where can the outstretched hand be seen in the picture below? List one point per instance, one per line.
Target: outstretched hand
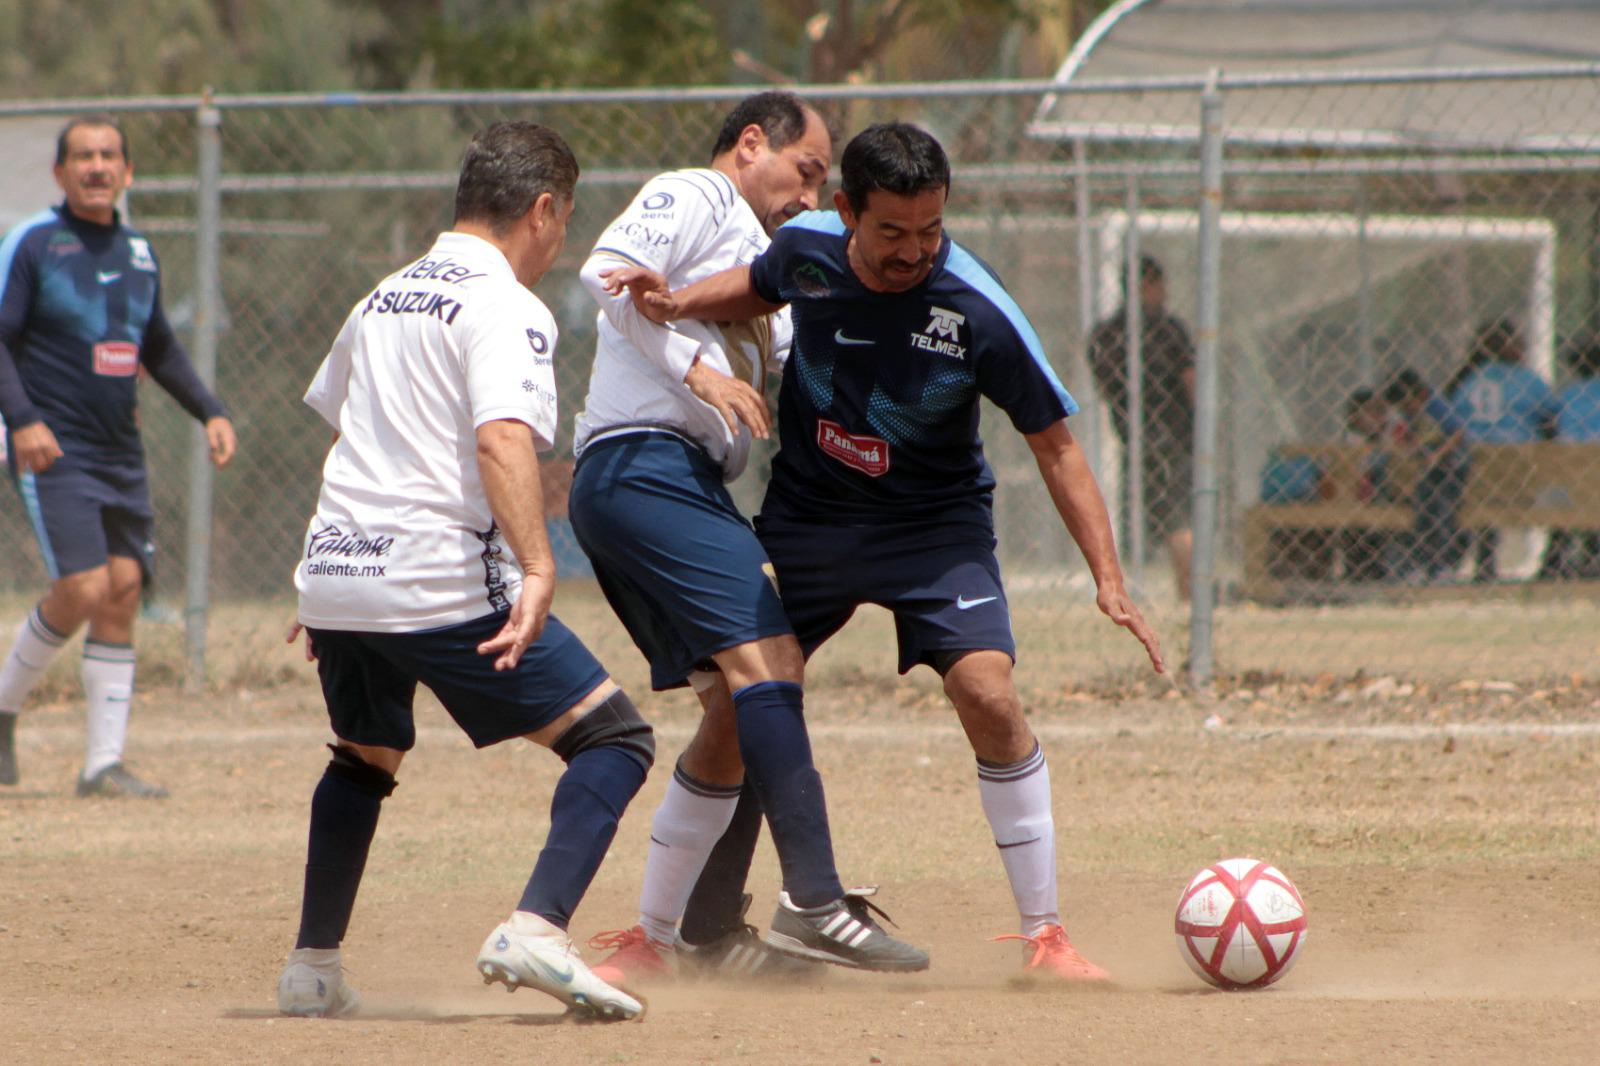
(647, 288)
(1115, 603)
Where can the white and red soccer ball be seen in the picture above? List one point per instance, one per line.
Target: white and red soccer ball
(1241, 924)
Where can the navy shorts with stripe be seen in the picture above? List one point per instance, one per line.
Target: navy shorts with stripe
(940, 581)
(81, 515)
(370, 679)
(676, 560)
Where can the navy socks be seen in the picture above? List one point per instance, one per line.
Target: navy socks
(584, 811)
(777, 764)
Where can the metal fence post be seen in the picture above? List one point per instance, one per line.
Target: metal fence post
(1133, 351)
(1088, 312)
(1203, 571)
(208, 211)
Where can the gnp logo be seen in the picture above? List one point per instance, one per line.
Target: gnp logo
(870, 455)
(942, 334)
(812, 280)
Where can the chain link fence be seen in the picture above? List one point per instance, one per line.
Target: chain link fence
(1407, 415)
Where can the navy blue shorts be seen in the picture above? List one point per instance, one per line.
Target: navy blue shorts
(677, 561)
(941, 582)
(83, 515)
(369, 679)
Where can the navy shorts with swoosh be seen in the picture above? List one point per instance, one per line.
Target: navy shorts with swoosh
(940, 581)
(83, 513)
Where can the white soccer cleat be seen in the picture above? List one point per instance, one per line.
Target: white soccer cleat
(312, 985)
(528, 952)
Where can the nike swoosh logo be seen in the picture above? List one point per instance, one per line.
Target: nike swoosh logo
(964, 604)
(108, 276)
(840, 338)
(563, 978)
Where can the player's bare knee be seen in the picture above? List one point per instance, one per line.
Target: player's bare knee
(615, 722)
(349, 766)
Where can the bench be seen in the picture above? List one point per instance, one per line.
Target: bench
(1548, 483)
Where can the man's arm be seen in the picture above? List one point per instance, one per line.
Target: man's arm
(727, 296)
(1077, 498)
(164, 358)
(510, 472)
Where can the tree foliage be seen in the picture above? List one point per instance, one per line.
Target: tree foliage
(52, 48)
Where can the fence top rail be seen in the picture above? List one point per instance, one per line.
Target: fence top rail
(889, 90)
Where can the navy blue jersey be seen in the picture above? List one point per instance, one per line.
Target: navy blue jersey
(80, 313)
(878, 414)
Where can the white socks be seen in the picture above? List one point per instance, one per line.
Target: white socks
(35, 646)
(108, 683)
(1016, 800)
(691, 819)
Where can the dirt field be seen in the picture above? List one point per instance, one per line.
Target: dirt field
(1444, 836)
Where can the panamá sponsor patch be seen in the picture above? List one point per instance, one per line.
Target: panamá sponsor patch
(116, 359)
(870, 455)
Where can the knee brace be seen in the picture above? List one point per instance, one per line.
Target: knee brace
(353, 768)
(615, 721)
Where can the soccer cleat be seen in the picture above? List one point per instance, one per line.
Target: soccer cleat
(312, 985)
(8, 748)
(116, 780)
(529, 952)
(741, 953)
(634, 957)
(842, 933)
(1050, 952)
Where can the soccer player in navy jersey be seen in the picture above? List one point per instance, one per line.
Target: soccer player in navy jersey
(80, 316)
(880, 492)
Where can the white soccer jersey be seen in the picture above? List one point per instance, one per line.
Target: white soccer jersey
(403, 538)
(688, 225)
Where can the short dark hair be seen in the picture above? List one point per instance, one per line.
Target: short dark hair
(781, 116)
(98, 118)
(1405, 384)
(896, 157)
(509, 166)
(1357, 400)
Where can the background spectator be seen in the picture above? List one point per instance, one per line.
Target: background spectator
(1168, 382)
(1499, 400)
(1575, 553)
(1429, 428)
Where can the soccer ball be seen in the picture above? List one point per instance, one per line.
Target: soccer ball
(1240, 924)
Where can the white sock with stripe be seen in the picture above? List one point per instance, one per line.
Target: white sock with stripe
(36, 645)
(107, 674)
(687, 825)
(1016, 800)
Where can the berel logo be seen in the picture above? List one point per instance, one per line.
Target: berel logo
(870, 455)
(116, 359)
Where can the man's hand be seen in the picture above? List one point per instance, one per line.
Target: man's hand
(293, 632)
(524, 623)
(35, 446)
(221, 439)
(736, 401)
(646, 287)
(1115, 604)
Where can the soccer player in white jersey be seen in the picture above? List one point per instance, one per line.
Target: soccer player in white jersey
(670, 417)
(880, 492)
(427, 562)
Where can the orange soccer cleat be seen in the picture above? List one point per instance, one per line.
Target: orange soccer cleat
(1050, 952)
(634, 957)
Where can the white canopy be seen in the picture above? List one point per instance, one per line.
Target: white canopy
(1284, 41)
